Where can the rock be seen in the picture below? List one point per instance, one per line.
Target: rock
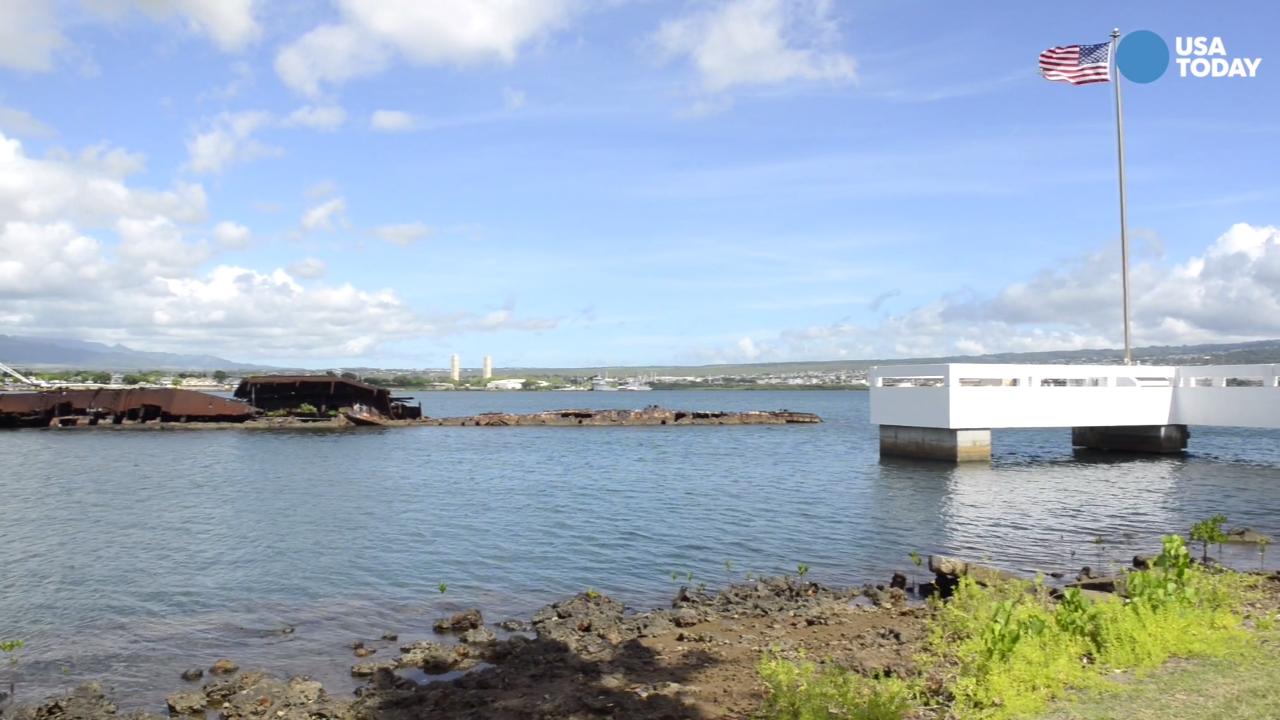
(186, 703)
(1085, 573)
(303, 691)
(984, 575)
(461, 622)
(192, 674)
(685, 617)
(364, 651)
(1245, 535)
(356, 644)
(390, 636)
(1143, 562)
(287, 630)
(949, 566)
(513, 625)
(430, 657)
(478, 636)
(369, 668)
(1100, 584)
(899, 581)
(223, 667)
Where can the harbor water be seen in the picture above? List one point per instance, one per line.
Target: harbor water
(128, 556)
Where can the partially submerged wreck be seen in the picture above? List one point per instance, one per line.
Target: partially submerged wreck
(325, 395)
(651, 415)
(68, 408)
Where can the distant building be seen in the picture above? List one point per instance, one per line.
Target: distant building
(488, 367)
(455, 367)
(506, 384)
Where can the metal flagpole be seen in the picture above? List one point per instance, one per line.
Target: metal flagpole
(1124, 231)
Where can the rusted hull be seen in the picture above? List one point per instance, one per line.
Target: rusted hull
(116, 406)
(325, 393)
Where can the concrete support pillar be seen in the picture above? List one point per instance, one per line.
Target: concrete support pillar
(1132, 438)
(935, 443)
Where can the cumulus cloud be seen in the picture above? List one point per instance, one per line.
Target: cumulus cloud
(229, 23)
(231, 235)
(88, 194)
(139, 279)
(325, 117)
(325, 215)
(1228, 293)
(403, 233)
(373, 33)
(29, 36)
(391, 121)
(231, 138)
(758, 42)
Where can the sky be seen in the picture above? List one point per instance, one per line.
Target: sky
(621, 182)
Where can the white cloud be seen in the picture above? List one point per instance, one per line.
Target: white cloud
(231, 235)
(425, 33)
(113, 162)
(29, 35)
(230, 24)
(143, 282)
(403, 233)
(60, 189)
(325, 215)
(229, 140)
(1228, 293)
(20, 122)
(325, 117)
(309, 268)
(391, 121)
(759, 42)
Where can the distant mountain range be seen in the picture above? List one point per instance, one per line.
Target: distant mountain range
(78, 354)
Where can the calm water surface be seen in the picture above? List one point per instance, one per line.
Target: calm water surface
(128, 556)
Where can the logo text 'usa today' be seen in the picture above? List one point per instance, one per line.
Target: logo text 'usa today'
(1143, 57)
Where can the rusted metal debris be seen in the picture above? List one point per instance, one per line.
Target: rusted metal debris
(652, 415)
(117, 406)
(325, 393)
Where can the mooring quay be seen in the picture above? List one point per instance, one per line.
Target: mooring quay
(947, 411)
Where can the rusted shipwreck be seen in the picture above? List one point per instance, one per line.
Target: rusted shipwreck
(652, 415)
(67, 408)
(325, 395)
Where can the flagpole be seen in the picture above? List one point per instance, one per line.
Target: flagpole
(1124, 232)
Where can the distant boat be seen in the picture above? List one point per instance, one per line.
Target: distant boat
(635, 386)
(601, 384)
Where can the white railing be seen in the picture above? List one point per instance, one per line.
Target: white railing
(965, 395)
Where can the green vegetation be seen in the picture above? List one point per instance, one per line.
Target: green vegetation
(442, 587)
(10, 648)
(1208, 532)
(308, 409)
(801, 690)
(802, 570)
(1009, 650)
(1232, 688)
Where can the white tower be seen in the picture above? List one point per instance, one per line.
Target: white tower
(488, 367)
(455, 367)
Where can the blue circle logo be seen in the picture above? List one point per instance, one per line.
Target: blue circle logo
(1142, 56)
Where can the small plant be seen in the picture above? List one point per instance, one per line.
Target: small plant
(803, 690)
(1209, 531)
(689, 576)
(307, 409)
(918, 561)
(802, 570)
(442, 587)
(11, 648)
(592, 594)
(1100, 543)
(674, 576)
(728, 567)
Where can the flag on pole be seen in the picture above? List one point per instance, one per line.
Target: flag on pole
(1077, 64)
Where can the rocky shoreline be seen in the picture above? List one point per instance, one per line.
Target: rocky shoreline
(589, 657)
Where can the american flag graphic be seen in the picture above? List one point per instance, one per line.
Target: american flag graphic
(1077, 64)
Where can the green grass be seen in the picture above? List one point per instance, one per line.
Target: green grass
(1243, 686)
(1009, 651)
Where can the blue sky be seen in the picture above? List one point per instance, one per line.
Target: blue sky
(565, 183)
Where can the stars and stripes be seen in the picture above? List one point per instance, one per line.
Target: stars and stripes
(1077, 64)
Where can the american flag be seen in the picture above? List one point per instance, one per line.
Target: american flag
(1077, 64)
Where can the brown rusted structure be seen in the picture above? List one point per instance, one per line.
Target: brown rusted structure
(288, 393)
(652, 415)
(117, 406)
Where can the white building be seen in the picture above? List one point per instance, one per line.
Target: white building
(506, 384)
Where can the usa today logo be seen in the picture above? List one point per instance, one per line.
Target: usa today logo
(1143, 57)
